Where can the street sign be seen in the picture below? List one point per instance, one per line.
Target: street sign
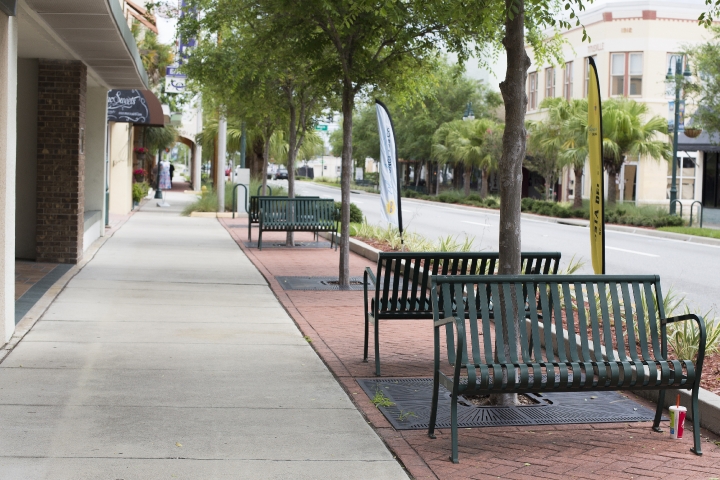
(322, 128)
(174, 84)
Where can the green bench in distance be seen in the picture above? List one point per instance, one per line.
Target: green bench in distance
(254, 211)
(301, 214)
(398, 296)
(587, 356)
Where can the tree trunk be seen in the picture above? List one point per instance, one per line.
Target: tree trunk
(418, 173)
(510, 165)
(266, 159)
(437, 180)
(348, 103)
(612, 190)
(484, 183)
(292, 152)
(577, 191)
(466, 182)
(549, 189)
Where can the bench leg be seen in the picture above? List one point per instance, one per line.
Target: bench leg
(376, 323)
(454, 429)
(260, 240)
(249, 230)
(658, 411)
(434, 407)
(697, 450)
(367, 325)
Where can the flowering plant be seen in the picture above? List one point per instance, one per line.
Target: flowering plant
(140, 150)
(138, 172)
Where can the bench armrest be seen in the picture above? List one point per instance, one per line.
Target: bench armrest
(703, 335)
(444, 321)
(369, 275)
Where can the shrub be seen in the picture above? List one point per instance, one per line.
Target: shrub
(206, 203)
(411, 194)
(491, 202)
(140, 191)
(474, 197)
(356, 215)
(449, 197)
(560, 211)
(526, 204)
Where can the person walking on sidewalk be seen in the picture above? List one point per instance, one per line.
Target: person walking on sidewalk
(172, 173)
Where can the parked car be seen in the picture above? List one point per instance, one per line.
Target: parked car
(271, 170)
(281, 174)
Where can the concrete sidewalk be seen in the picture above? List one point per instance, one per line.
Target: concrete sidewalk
(168, 356)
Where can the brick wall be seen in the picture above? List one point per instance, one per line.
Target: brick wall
(62, 86)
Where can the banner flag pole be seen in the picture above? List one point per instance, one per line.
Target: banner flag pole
(390, 194)
(597, 180)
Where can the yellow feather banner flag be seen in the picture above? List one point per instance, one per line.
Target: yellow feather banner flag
(597, 194)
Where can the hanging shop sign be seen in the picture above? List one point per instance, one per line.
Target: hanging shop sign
(139, 107)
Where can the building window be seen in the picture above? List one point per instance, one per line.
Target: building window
(549, 82)
(587, 75)
(532, 91)
(685, 180)
(626, 70)
(568, 84)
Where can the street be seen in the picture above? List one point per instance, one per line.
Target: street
(689, 269)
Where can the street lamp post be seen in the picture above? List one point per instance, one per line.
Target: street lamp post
(674, 77)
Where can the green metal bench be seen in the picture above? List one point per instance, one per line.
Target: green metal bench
(402, 283)
(282, 214)
(254, 210)
(587, 356)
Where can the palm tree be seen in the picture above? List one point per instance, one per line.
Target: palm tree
(472, 149)
(467, 143)
(626, 134)
(442, 143)
(542, 152)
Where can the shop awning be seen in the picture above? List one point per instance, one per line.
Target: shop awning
(703, 142)
(98, 34)
(139, 107)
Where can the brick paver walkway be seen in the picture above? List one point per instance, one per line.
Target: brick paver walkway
(334, 323)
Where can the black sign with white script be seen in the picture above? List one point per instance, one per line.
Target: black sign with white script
(127, 106)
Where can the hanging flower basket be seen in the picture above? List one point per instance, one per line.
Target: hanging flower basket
(139, 175)
(692, 132)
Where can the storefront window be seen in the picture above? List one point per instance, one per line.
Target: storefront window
(686, 172)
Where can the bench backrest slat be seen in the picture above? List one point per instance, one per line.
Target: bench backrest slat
(299, 213)
(586, 306)
(403, 278)
(652, 320)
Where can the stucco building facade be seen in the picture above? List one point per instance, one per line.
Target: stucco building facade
(632, 43)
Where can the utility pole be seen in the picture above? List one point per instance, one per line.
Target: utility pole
(220, 177)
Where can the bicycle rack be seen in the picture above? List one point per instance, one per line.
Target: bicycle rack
(681, 206)
(266, 186)
(700, 212)
(235, 198)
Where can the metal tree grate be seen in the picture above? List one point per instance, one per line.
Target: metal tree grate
(318, 283)
(412, 399)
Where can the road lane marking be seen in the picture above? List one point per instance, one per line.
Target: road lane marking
(476, 223)
(632, 251)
